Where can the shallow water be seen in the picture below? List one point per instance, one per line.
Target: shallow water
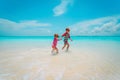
(87, 59)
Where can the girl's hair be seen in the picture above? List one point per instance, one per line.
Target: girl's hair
(67, 29)
(56, 35)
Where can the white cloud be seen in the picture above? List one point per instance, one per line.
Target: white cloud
(7, 23)
(24, 27)
(30, 23)
(62, 7)
(106, 26)
(34, 23)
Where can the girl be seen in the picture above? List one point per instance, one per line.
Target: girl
(54, 45)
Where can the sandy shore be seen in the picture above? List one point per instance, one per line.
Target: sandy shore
(40, 64)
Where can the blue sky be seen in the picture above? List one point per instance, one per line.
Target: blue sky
(46, 17)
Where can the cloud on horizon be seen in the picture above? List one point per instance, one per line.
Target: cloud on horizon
(29, 27)
(62, 7)
(106, 26)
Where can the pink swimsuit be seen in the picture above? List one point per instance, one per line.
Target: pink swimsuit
(54, 43)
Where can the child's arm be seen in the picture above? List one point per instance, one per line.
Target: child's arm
(63, 34)
(70, 38)
(59, 39)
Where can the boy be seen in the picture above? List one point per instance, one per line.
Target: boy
(66, 36)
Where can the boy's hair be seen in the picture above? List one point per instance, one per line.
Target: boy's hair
(56, 35)
(67, 29)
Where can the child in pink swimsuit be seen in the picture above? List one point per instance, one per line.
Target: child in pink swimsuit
(54, 45)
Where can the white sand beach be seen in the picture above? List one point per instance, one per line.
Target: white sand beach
(83, 61)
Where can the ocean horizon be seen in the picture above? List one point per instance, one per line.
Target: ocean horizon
(51, 37)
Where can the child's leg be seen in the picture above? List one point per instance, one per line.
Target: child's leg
(68, 46)
(64, 46)
(56, 50)
(65, 42)
(52, 50)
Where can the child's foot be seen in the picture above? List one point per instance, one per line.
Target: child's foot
(54, 53)
(63, 47)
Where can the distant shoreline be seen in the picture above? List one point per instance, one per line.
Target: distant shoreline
(52, 36)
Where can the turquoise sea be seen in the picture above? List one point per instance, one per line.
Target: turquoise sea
(46, 41)
(73, 37)
(30, 58)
